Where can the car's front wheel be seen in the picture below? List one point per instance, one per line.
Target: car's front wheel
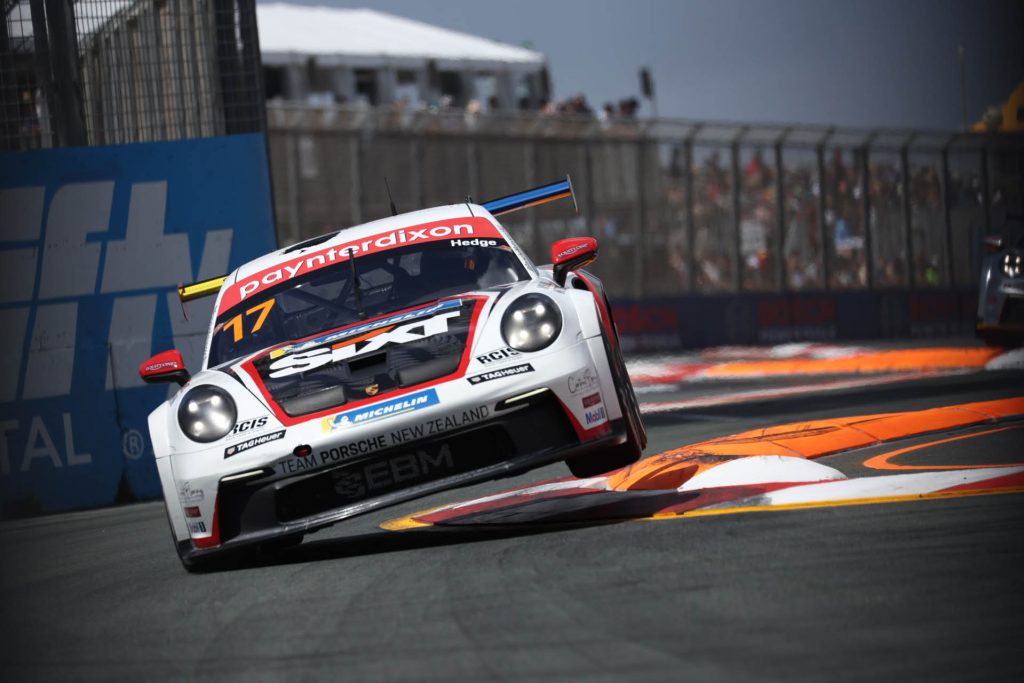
(629, 451)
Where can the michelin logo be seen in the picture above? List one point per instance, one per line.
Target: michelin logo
(381, 411)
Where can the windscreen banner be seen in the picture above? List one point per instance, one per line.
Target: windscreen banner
(93, 244)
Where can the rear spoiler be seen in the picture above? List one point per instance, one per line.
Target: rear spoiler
(497, 207)
(198, 290)
(528, 198)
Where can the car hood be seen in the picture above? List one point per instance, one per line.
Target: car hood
(402, 350)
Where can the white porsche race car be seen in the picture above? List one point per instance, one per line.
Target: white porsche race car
(382, 363)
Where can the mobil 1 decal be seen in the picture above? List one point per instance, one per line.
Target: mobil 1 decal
(501, 373)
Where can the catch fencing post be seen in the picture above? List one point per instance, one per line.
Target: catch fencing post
(907, 219)
(691, 223)
(946, 213)
(640, 243)
(985, 191)
(780, 214)
(68, 118)
(822, 189)
(865, 182)
(737, 206)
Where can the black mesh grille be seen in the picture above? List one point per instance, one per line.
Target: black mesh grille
(427, 462)
(251, 506)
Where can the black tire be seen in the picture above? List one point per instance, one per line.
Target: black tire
(628, 452)
(182, 547)
(1000, 338)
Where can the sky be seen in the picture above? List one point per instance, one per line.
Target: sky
(863, 63)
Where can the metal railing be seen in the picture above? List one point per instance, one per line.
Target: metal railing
(678, 206)
(95, 72)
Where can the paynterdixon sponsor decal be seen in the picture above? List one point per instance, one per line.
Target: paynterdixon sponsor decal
(315, 358)
(253, 443)
(381, 411)
(359, 447)
(499, 374)
(368, 327)
(499, 354)
(428, 232)
(582, 381)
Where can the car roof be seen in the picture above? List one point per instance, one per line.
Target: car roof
(356, 232)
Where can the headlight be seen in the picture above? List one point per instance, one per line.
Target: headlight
(206, 413)
(1013, 264)
(532, 322)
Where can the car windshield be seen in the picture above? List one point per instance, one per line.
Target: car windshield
(388, 281)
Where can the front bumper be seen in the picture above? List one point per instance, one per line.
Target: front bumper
(515, 440)
(1001, 304)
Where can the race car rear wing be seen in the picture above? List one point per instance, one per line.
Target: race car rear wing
(528, 198)
(513, 202)
(198, 290)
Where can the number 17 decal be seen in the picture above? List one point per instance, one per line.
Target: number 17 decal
(236, 323)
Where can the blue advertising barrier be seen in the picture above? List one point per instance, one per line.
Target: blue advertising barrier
(93, 242)
(701, 320)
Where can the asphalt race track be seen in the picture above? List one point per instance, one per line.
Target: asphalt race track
(926, 588)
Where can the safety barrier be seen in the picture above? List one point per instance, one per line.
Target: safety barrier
(94, 242)
(695, 321)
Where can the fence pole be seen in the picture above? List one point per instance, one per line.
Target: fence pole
(60, 17)
(291, 157)
(737, 254)
(691, 223)
(822, 189)
(781, 278)
(418, 165)
(907, 230)
(946, 216)
(985, 194)
(530, 162)
(865, 182)
(639, 243)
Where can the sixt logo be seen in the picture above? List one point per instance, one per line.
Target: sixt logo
(368, 343)
(381, 411)
(369, 327)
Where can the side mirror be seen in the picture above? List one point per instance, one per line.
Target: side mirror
(164, 367)
(569, 254)
(993, 243)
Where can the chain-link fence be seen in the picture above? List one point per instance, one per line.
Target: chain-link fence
(677, 206)
(116, 71)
